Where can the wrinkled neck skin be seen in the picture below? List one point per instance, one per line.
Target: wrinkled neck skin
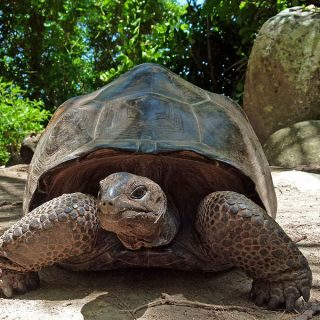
(155, 234)
(137, 210)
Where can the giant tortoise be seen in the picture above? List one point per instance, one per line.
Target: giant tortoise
(152, 171)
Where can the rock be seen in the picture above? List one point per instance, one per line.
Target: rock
(14, 159)
(283, 77)
(28, 146)
(296, 147)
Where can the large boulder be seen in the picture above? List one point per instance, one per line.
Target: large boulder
(283, 77)
(296, 147)
(28, 146)
(26, 152)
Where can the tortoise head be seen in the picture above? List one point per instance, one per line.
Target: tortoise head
(135, 208)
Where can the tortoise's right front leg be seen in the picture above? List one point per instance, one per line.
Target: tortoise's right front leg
(61, 228)
(237, 231)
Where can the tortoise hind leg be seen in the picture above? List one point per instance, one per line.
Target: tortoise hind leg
(238, 231)
(61, 228)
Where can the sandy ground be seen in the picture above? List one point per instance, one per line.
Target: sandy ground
(170, 294)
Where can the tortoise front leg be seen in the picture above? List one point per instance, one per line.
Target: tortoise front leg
(61, 228)
(238, 231)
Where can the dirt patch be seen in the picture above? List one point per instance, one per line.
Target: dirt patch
(164, 294)
(12, 182)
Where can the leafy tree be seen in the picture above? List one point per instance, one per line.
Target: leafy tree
(43, 48)
(18, 116)
(125, 33)
(59, 49)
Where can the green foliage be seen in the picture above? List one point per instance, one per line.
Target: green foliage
(125, 33)
(58, 49)
(19, 116)
(43, 48)
(55, 50)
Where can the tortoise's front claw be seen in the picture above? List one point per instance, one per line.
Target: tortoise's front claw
(285, 292)
(17, 282)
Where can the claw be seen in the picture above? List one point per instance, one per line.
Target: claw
(253, 291)
(261, 298)
(33, 282)
(253, 294)
(21, 287)
(273, 302)
(7, 291)
(17, 282)
(290, 302)
(305, 293)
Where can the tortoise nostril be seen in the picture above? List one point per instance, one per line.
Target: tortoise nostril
(107, 204)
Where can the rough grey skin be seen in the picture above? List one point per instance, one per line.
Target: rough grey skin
(135, 208)
(152, 171)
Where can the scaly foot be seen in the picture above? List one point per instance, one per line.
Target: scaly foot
(12, 281)
(279, 292)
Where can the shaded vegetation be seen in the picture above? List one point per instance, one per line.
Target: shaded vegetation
(19, 116)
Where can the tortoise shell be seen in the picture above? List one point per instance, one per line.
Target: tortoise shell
(151, 122)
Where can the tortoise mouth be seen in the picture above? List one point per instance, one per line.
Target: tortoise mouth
(185, 176)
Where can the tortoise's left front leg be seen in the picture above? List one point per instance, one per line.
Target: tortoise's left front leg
(237, 231)
(61, 228)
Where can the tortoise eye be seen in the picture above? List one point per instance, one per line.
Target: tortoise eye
(138, 193)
